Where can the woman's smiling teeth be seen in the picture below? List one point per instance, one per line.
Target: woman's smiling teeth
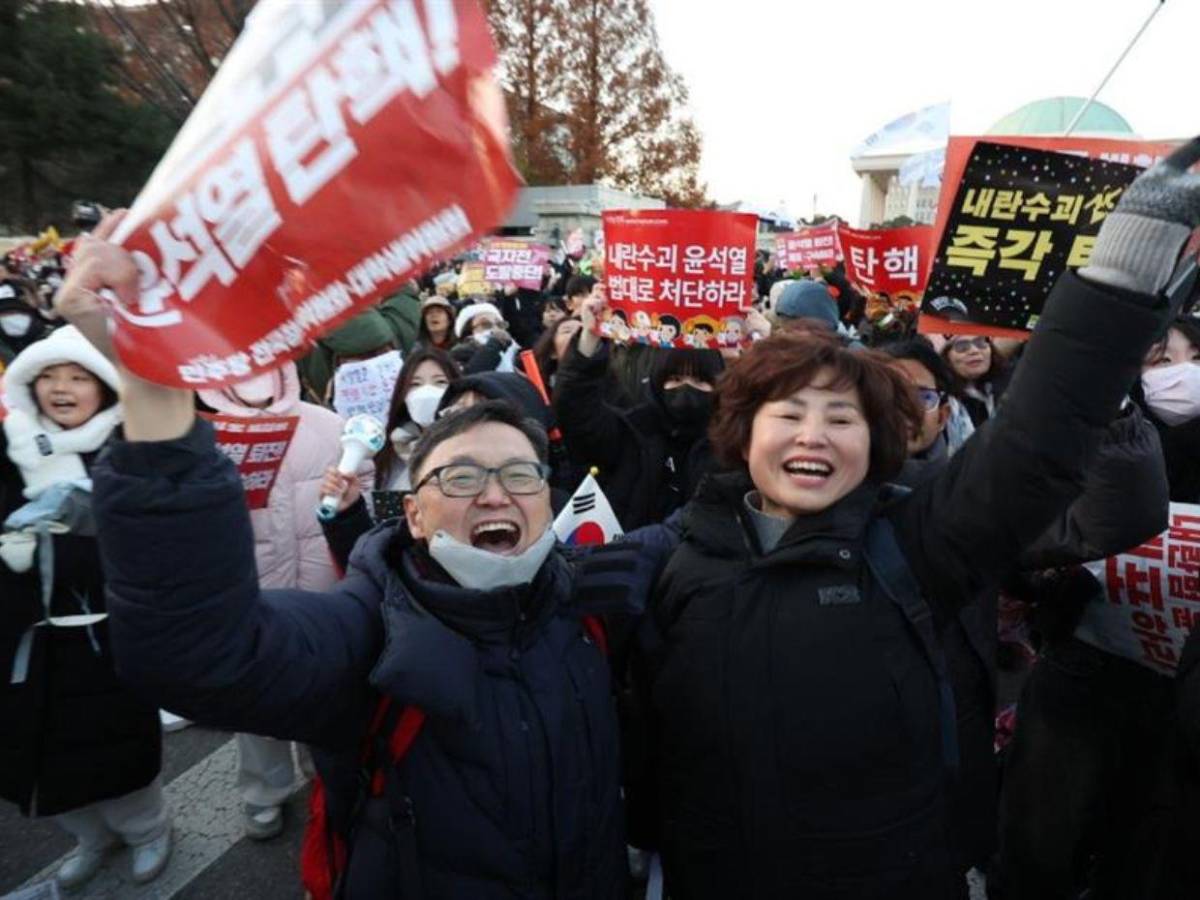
(812, 468)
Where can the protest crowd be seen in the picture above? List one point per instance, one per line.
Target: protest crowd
(666, 566)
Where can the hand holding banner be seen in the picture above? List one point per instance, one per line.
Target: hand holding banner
(340, 149)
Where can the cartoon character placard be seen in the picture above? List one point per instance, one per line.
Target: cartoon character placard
(678, 278)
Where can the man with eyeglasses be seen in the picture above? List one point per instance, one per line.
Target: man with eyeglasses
(466, 611)
(928, 449)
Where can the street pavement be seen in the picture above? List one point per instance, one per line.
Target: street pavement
(211, 859)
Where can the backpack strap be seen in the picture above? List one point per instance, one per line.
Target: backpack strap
(594, 627)
(390, 735)
(891, 571)
(390, 745)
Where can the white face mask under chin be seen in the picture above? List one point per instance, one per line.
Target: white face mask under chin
(16, 324)
(422, 403)
(1173, 392)
(482, 570)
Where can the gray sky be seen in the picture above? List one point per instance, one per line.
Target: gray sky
(784, 89)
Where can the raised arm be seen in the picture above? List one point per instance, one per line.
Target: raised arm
(190, 628)
(591, 429)
(1025, 466)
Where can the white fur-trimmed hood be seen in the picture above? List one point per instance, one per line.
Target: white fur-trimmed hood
(65, 345)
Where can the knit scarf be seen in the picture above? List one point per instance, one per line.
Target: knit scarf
(46, 453)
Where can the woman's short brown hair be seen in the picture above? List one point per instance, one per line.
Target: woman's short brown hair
(783, 364)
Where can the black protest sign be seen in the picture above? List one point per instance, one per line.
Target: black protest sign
(1020, 217)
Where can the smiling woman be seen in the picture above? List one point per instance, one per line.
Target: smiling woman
(796, 679)
(811, 421)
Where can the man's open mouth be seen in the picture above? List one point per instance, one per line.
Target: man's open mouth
(496, 536)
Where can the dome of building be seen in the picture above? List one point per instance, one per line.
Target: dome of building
(1053, 115)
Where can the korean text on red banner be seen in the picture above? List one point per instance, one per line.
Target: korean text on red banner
(894, 261)
(810, 248)
(1020, 218)
(341, 148)
(256, 447)
(515, 262)
(1153, 596)
(679, 278)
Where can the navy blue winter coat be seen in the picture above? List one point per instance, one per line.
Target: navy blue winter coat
(514, 777)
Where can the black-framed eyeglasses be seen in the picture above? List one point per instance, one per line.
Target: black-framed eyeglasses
(931, 398)
(962, 345)
(469, 480)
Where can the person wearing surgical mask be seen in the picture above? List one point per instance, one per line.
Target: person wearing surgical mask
(1169, 394)
(20, 325)
(652, 455)
(423, 380)
(485, 344)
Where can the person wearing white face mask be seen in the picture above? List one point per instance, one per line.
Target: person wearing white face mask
(289, 551)
(20, 325)
(484, 342)
(1169, 394)
(426, 374)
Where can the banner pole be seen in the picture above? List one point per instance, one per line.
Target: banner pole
(1092, 99)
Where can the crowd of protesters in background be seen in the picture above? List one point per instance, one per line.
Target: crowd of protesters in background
(849, 551)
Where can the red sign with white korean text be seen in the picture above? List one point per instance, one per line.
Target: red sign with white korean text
(679, 278)
(341, 148)
(810, 248)
(515, 262)
(1153, 596)
(894, 261)
(958, 153)
(257, 447)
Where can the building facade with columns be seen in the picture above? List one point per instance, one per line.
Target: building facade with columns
(901, 178)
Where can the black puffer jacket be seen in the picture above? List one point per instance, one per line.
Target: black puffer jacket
(71, 733)
(649, 467)
(798, 722)
(513, 778)
(1123, 503)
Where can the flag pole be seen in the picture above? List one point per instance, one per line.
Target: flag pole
(1092, 99)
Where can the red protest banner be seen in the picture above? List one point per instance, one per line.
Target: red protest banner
(679, 278)
(894, 261)
(810, 247)
(1153, 596)
(340, 149)
(515, 262)
(257, 447)
(958, 153)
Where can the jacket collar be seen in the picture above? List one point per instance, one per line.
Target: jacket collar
(435, 630)
(717, 520)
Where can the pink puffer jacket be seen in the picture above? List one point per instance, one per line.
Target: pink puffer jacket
(288, 545)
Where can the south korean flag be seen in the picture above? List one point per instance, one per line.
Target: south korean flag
(587, 518)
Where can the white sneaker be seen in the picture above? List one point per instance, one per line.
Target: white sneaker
(150, 858)
(171, 722)
(82, 865)
(263, 822)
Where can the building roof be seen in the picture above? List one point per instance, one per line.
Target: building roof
(573, 199)
(1054, 114)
